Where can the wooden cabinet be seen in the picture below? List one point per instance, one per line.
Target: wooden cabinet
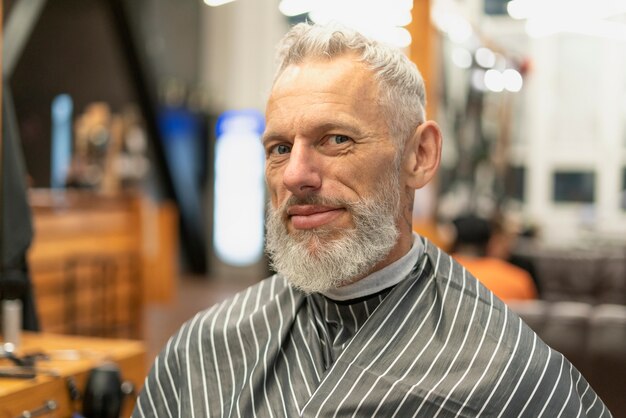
(95, 260)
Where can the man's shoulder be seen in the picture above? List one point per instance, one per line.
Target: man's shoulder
(476, 305)
(240, 308)
(512, 369)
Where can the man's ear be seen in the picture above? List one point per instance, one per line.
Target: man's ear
(422, 154)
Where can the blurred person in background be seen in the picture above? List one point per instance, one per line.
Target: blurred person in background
(483, 247)
(510, 241)
(363, 318)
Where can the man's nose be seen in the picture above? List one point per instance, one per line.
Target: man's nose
(302, 174)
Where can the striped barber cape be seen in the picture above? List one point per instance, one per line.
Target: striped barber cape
(438, 344)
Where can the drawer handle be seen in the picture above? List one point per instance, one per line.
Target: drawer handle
(48, 406)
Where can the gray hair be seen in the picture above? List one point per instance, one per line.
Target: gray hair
(403, 95)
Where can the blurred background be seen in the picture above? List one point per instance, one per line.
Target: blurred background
(132, 174)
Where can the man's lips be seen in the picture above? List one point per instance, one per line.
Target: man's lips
(312, 216)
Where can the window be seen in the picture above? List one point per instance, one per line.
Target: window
(514, 183)
(574, 186)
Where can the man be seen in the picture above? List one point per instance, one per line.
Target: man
(363, 318)
(482, 247)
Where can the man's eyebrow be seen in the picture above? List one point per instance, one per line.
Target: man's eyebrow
(271, 136)
(338, 125)
(345, 127)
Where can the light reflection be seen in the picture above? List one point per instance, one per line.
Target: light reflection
(239, 188)
(215, 3)
(461, 57)
(485, 57)
(494, 80)
(383, 21)
(478, 80)
(512, 80)
(295, 7)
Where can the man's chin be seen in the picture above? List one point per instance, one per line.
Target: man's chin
(328, 233)
(318, 239)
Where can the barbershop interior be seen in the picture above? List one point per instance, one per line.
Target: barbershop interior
(132, 192)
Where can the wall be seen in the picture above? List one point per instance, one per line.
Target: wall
(569, 115)
(236, 67)
(237, 52)
(575, 119)
(73, 49)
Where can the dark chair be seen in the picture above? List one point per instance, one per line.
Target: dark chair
(533, 312)
(566, 330)
(607, 349)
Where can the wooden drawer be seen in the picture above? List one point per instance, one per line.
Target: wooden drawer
(18, 395)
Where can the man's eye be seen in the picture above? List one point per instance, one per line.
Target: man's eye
(280, 149)
(338, 139)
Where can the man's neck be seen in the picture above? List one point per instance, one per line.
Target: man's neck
(402, 247)
(389, 275)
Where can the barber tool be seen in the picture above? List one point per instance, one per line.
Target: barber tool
(105, 392)
(17, 373)
(45, 409)
(12, 321)
(7, 350)
(23, 366)
(26, 372)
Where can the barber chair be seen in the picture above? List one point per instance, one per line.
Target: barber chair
(607, 346)
(566, 330)
(533, 312)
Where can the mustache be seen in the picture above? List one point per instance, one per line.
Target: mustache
(312, 200)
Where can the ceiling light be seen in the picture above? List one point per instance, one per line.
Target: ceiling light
(295, 7)
(485, 57)
(494, 80)
(461, 57)
(215, 3)
(512, 80)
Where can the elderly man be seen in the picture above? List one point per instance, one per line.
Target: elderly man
(363, 318)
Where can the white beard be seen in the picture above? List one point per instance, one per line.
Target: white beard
(315, 262)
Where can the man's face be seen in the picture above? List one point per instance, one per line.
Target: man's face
(330, 160)
(325, 137)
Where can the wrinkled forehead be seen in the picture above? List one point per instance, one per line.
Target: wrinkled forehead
(316, 57)
(325, 88)
(342, 82)
(323, 73)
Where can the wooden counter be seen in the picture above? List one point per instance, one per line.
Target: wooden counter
(18, 395)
